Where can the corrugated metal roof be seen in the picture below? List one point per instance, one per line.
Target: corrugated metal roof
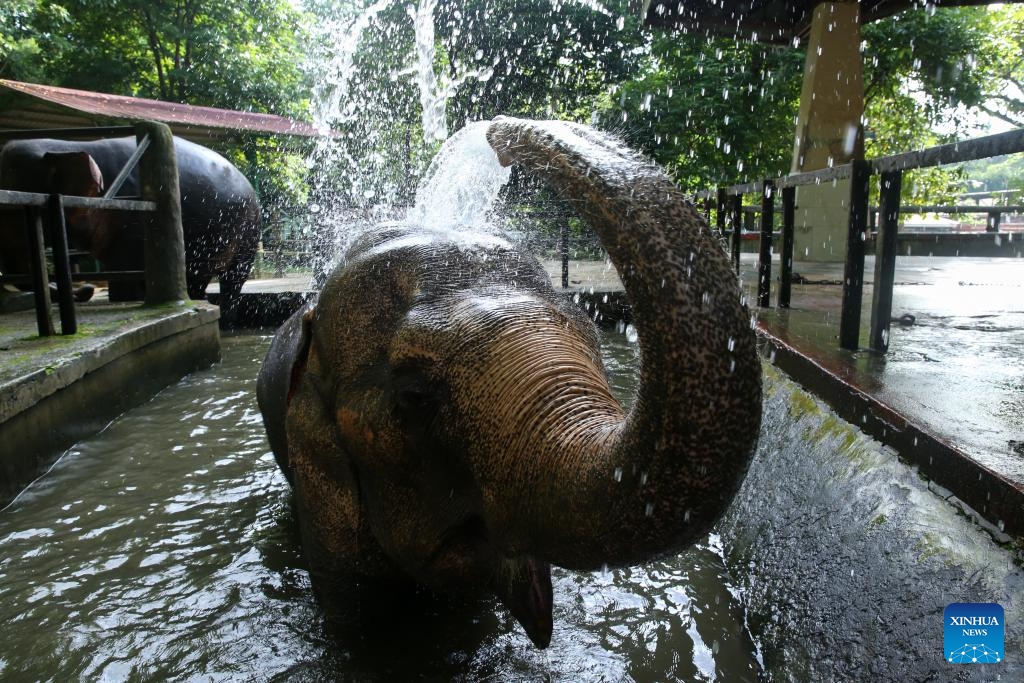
(206, 120)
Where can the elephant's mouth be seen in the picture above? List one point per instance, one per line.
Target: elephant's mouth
(522, 583)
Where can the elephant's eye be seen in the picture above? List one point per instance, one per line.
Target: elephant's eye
(412, 399)
(415, 395)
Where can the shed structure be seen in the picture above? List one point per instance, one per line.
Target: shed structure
(27, 106)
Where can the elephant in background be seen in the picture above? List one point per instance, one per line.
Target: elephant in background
(220, 215)
(444, 416)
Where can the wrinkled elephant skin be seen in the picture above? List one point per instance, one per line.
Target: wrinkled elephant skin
(219, 212)
(444, 416)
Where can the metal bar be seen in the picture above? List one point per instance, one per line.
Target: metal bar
(825, 175)
(26, 199)
(61, 266)
(995, 221)
(90, 276)
(853, 273)
(764, 259)
(129, 166)
(563, 248)
(108, 204)
(1010, 142)
(885, 260)
(37, 264)
(960, 208)
(98, 132)
(720, 216)
(747, 188)
(786, 257)
(736, 218)
(11, 198)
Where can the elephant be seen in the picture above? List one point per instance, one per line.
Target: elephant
(220, 215)
(443, 415)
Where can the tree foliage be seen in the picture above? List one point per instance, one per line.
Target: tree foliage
(535, 58)
(1003, 59)
(234, 54)
(711, 110)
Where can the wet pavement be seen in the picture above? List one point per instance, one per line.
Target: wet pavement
(954, 371)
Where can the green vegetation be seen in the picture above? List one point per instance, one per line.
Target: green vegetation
(712, 110)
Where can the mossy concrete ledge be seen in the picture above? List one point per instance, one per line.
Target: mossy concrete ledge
(52, 396)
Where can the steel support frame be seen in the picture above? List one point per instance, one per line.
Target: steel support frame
(890, 186)
(853, 271)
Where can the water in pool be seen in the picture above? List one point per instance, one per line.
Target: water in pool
(164, 549)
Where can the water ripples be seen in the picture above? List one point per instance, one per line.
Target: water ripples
(164, 549)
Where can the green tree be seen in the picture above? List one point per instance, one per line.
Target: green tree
(1002, 56)
(711, 110)
(234, 54)
(535, 58)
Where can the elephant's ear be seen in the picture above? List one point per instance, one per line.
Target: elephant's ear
(74, 173)
(280, 378)
(301, 356)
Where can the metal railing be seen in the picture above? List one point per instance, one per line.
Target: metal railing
(165, 269)
(728, 201)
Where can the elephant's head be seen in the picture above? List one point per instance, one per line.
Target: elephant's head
(445, 416)
(76, 173)
(67, 173)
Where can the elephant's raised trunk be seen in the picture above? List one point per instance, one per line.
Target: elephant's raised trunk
(659, 479)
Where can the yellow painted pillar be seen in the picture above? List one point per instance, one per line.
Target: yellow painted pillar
(828, 130)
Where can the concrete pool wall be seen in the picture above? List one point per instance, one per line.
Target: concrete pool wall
(56, 391)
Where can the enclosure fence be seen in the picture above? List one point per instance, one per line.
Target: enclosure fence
(728, 205)
(164, 250)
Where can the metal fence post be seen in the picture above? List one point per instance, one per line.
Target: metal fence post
(736, 217)
(786, 257)
(853, 273)
(37, 266)
(764, 259)
(165, 245)
(563, 247)
(885, 259)
(61, 266)
(720, 213)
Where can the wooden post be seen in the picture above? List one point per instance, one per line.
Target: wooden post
(885, 259)
(764, 259)
(37, 266)
(61, 267)
(786, 257)
(853, 272)
(165, 245)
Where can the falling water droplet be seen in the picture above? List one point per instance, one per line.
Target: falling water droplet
(618, 474)
(649, 509)
(731, 344)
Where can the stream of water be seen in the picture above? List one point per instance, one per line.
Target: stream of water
(164, 548)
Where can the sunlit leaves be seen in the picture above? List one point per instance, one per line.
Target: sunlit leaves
(712, 111)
